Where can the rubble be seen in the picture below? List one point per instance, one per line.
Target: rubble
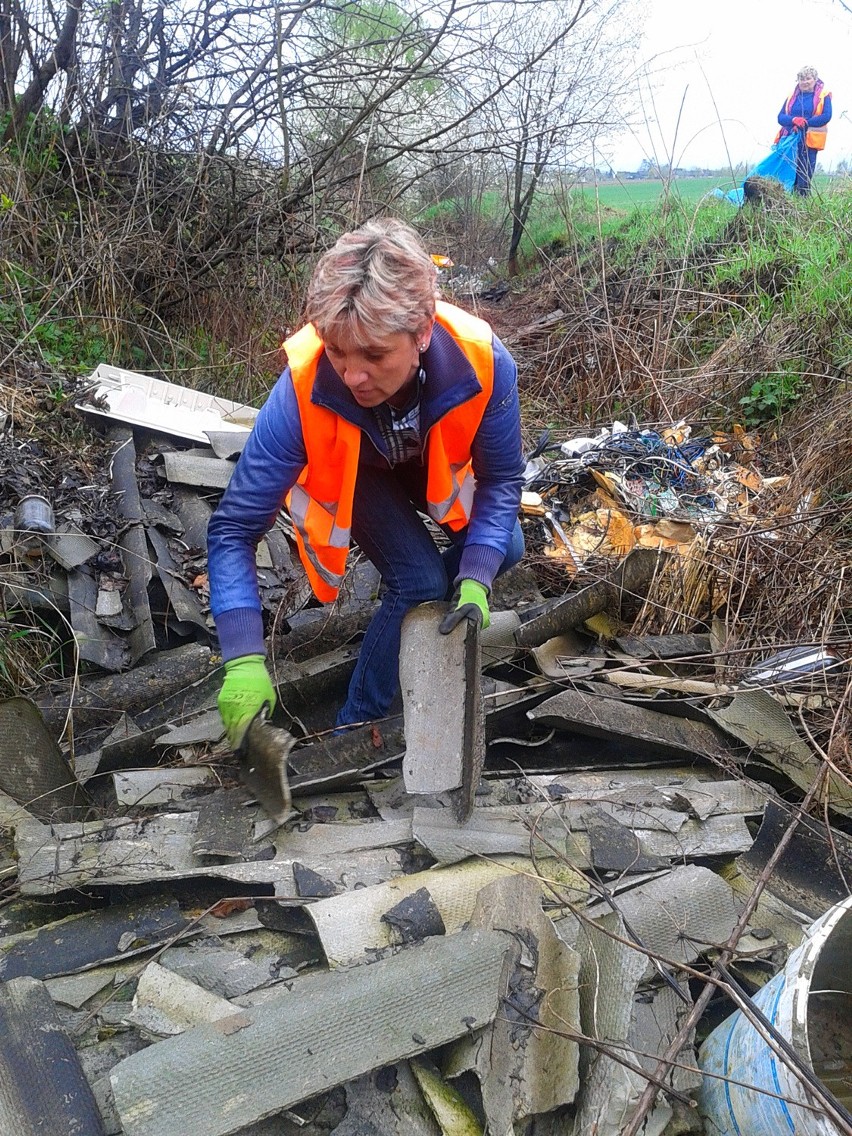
(495, 911)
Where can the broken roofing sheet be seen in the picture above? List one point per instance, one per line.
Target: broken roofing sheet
(377, 964)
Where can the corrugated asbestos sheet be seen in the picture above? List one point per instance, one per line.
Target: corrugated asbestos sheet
(43, 1091)
(218, 1078)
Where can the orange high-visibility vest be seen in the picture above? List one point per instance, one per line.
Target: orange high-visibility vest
(815, 136)
(320, 502)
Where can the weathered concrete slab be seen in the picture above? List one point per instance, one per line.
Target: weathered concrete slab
(42, 1085)
(442, 706)
(331, 1028)
(611, 718)
(523, 1060)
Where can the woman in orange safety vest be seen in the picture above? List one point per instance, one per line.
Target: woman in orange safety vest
(807, 112)
(393, 405)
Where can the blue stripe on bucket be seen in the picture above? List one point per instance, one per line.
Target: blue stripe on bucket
(727, 1084)
(773, 1063)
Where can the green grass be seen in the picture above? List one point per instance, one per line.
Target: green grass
(630, 194)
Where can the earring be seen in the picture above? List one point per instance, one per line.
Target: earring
(422, 347)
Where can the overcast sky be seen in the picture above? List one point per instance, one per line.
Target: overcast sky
(732, 63)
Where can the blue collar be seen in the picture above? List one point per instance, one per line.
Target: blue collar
(450, 382)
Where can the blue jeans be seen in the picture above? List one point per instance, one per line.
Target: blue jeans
(386, 527)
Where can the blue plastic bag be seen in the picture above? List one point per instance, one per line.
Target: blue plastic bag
(780, 164)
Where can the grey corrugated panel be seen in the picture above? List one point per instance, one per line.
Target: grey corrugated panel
(154, 788)
(185, 603)
(114, 853)
(525, 1063)
(614, 719)
(32, 768)
(95, 642)
(82, 941)
(166, 1003)
(220, 970)
(392, 1107)
(194, 513)
(189, 468)
(132, 544)
(331, 1028)
(350, 926)
(501, 830)
(758, 721)
(70, 547)
(678, 915)
(42, 1086)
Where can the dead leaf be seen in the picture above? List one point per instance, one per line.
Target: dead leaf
(226, 907)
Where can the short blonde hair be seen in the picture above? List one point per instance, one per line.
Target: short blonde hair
(376, 280)
(808, 73)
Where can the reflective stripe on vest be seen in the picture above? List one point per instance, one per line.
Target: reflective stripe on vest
(321, 501)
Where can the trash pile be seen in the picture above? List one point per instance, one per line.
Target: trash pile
(601, 496)
(579, 935)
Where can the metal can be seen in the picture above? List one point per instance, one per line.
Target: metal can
(34, 514)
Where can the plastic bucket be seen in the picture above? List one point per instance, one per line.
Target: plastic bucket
(810, 1004)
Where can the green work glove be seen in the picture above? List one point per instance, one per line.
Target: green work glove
(247, 687)
(471, 603)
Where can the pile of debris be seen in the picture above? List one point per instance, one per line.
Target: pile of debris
(543, 944)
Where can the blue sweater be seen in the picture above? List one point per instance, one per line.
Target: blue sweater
(803, 107)
(275, 455)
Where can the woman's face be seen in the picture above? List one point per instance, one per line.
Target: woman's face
(806, 84)
(378, 369)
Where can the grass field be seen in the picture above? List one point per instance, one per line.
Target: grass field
(630, 194)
